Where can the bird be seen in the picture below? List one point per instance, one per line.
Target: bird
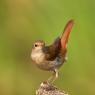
(51, 57)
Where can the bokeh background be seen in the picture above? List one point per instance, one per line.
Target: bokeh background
(23, 21)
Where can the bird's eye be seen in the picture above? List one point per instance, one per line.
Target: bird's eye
(36, 45)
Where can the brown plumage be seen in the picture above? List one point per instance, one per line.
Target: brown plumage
(53, 56)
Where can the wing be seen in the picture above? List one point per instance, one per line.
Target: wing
(59, 45)
(52, 51)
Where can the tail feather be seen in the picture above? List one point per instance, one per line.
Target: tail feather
(65, 35)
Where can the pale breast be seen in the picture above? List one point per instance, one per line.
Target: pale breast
(37, 57)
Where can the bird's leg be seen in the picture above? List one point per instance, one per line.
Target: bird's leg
(50, 79)
(54, 76)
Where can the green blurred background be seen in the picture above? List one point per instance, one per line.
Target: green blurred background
(23, 21)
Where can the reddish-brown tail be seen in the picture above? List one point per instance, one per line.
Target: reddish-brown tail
(66, 32)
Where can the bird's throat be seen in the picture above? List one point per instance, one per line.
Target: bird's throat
(38, 56)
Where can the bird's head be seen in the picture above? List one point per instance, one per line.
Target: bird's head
(38, 45)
